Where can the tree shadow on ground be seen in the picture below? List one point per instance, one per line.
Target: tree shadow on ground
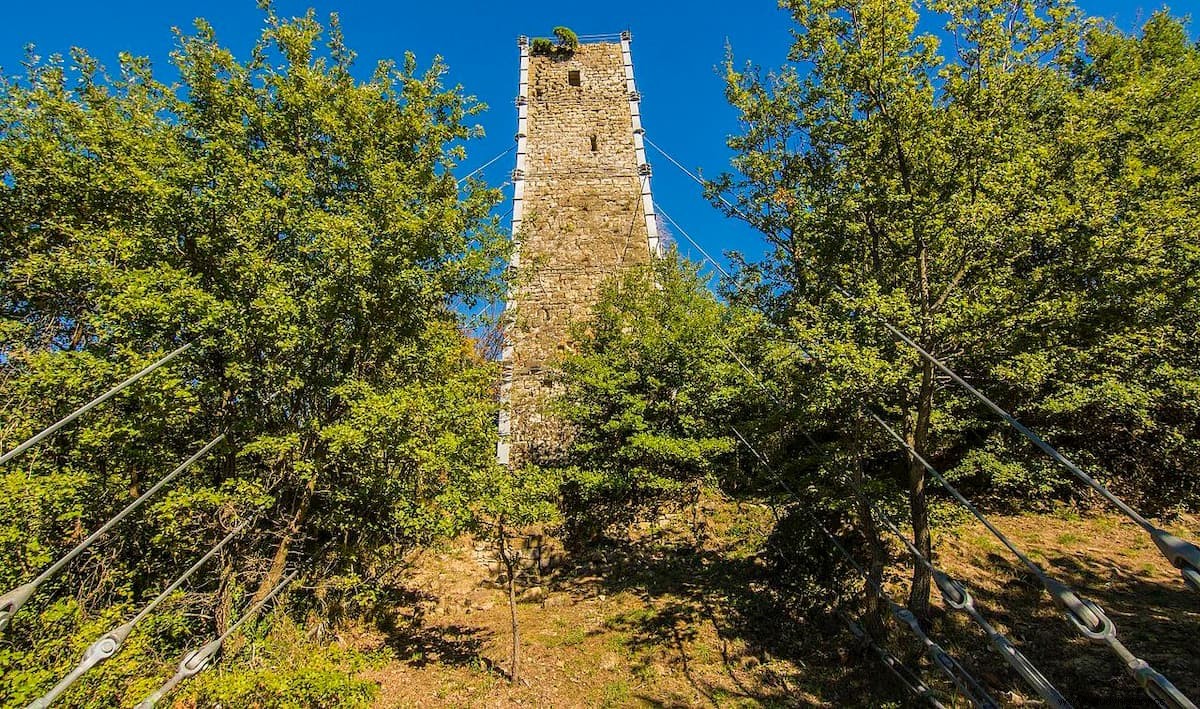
(766, 653)
(1158, 620)
(419, 644)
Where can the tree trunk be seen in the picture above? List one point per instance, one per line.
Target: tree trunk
(918, 597)
(511, 566)
(223, 613)
(698, 527)
(918, 440)
(279, 560)
(877, 609)
(76, 336)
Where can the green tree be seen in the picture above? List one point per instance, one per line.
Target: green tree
(517, 499)
(651, 392)
(1107, 355)
(304, 228)
(891, 179)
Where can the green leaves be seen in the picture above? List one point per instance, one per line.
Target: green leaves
(650, 393)
(305, 230)
(1023, 206)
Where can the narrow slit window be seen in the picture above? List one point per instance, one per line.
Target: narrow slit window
(595, 144)
(573, 77)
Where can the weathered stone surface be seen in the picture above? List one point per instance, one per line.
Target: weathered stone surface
(533, 553)
(582, 221)
(534, 594)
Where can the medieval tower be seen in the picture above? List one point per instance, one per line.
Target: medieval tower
(581, 212)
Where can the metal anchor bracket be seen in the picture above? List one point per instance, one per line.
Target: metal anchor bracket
(953, 593)
(1182, 554)
(12, 601)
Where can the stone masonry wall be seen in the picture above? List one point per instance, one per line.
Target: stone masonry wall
(582, 220)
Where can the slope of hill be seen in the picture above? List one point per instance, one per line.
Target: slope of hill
(669, 621)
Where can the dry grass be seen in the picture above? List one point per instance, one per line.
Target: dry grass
(1104, 558)
(669, 622)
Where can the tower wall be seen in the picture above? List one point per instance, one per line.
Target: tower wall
(582, 211)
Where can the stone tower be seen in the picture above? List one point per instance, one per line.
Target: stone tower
(581, 212)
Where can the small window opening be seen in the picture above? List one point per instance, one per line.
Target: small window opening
(595, 144)
(573, 78)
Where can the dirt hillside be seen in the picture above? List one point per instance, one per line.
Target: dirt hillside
(671, 621)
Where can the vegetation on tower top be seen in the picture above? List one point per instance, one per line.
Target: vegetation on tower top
(566, 44)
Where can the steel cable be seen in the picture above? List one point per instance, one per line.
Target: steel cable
(1181, 553)
(637, 208)
(911, 681)
(956, 596)
(111, 642)
(907, 677)
(1086, 616)
(49, 430)
(962, 679)
(484, 166)
(659, 209)
(12, 601)
(194, 662)
(695, 178)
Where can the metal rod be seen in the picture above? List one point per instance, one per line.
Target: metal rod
(481, 168)
(957, 597)
(1182, 554)
(111, 642)
(12, 601)
(89, 406)
(194, 662)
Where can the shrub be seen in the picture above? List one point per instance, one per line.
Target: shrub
(649, 394)
(567, 39)
(567, 43)
(284, 671)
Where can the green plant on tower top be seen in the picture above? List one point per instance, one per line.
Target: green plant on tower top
(567, 39)
(565, 43)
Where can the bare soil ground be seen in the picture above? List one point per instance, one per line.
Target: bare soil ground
(672, 622)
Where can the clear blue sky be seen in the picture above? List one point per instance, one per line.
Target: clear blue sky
(677, 47)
